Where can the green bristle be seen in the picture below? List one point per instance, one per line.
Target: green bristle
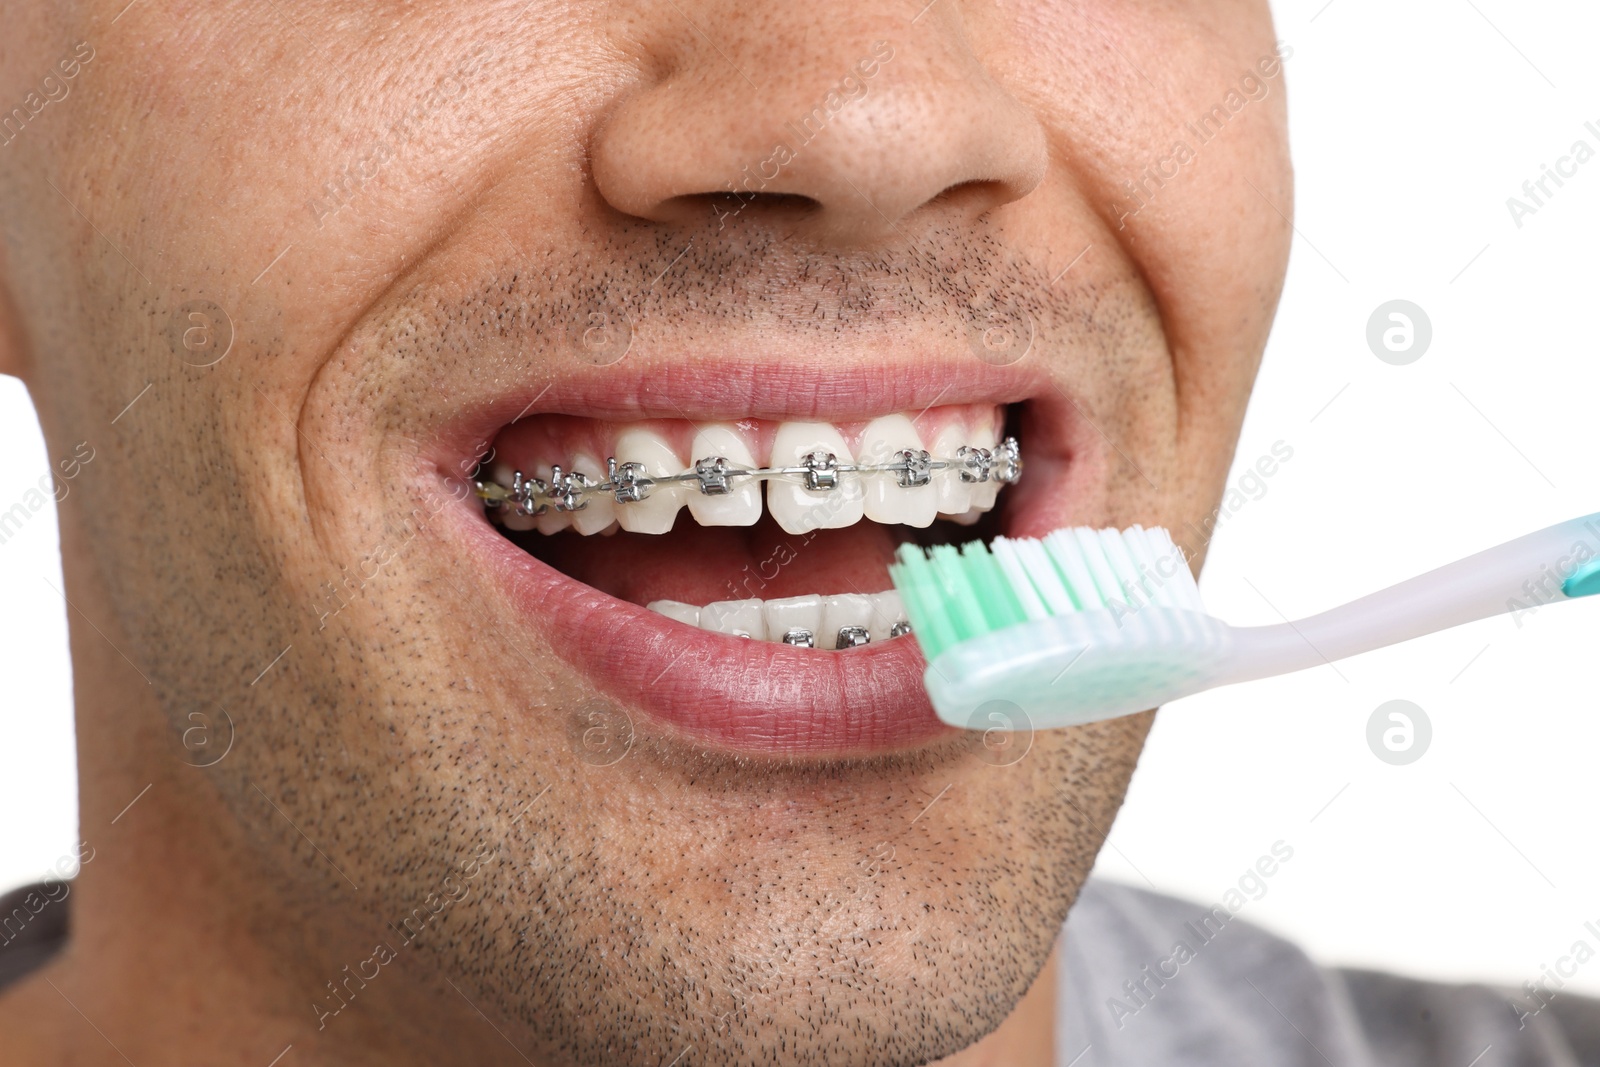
(956, 590)
(924, 603)
(953, 595)
(1001, 607)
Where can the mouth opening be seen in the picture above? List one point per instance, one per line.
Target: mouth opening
(726, 578)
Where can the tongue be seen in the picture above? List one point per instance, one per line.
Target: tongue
(703, 564)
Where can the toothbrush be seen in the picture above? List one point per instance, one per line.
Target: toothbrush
(1083, 624)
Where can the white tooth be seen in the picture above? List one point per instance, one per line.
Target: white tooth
(741, 618)
(500, 473)
(985, 433)
(966, 518)
(886, 611)
(601, 509)
(801, 510)
(675, 609)
(954, 496)
(552, 521)
(886, 501)
(742, 506)
(794, 613)
(984, 493)
(656, 512)
(845, 609)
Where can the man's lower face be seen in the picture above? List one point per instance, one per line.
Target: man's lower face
(698, 837)
(524, 240)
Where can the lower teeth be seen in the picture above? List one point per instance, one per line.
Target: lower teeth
(848, 620)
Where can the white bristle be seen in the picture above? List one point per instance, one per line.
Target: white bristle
(1166, 581)
(1066, 552)
(1134, 591)
(1185, 592)
(1081, 569)
(1156, 558)
(1020, 572)
(1045, 577)
(1169, 570)
(1106, 578)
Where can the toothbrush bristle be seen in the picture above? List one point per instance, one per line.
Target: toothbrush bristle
(953, 595)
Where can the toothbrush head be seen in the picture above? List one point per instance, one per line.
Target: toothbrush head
(1070, 628)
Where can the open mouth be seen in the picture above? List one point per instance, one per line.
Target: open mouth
(759, 529)
(718, 559)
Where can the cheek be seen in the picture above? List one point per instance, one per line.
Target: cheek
(1161, 161)
(1089, 71)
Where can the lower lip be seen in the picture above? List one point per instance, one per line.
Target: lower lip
(750, 696)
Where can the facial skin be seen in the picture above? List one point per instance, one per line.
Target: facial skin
(507, 168)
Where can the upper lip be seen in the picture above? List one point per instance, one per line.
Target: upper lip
(706, 388)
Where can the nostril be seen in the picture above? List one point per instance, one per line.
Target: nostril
(978, 195)
(770, 206)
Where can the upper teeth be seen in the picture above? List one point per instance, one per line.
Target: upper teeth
(813, 481)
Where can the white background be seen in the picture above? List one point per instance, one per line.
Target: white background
(1411, 125)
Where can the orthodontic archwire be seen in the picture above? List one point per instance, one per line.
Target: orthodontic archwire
(818, 471)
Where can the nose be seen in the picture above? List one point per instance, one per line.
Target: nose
(850, 132)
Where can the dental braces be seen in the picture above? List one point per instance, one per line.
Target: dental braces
(818, 471)
(849, 636)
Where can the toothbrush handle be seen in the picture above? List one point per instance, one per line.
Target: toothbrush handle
(1526, 573)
